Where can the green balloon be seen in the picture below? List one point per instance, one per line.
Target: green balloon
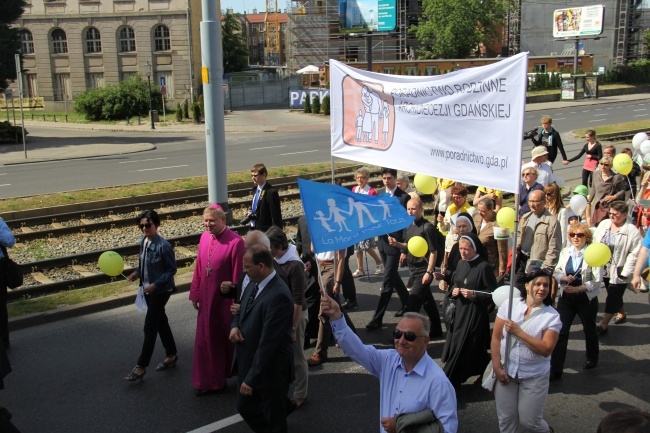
(111, 263)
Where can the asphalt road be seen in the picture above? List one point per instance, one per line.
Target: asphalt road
(68, 379)
(183, 155)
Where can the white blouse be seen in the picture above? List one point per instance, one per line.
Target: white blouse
(523, 362)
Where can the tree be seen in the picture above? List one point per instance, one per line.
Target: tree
(646, 42)
(9, 40)
(453, 29)
(235, 53)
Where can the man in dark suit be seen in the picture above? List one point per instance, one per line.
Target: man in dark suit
(261, 332)
(265, 210)
(390, 256)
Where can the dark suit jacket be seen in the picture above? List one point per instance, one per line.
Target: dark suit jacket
(268, 212)
(384, 246)
(236, 293)
(264, 360)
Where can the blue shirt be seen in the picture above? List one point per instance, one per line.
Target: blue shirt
(6, 237)
(426, 386)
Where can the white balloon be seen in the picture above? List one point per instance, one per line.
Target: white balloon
(501, 294)
(645, 147)
(578, 204)
(646, 158)
(559, 181)
(638, 139)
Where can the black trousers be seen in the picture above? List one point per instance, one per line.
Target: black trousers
(4, 316)
(421, 296)
(392, 281)
(156, 323)
(265, 411)
(614, 300)
(569, 306)
(349, 288)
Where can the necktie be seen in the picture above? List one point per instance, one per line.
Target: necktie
(249, 305)
(256, 199)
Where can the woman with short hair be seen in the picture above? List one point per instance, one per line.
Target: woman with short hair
(606, 187)
(529, 184)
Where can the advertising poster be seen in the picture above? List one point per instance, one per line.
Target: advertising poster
(568, 89)
(367, 15)
(578, 21)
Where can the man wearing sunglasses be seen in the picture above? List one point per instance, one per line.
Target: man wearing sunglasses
(539, 237)
(410, 381)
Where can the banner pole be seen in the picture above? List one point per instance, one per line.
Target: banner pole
(336, 251)
(513, 276)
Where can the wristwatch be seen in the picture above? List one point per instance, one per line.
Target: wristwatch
(430, 273)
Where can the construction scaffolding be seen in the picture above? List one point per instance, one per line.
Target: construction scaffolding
(314, 35)
(632, 19)
(514, 28)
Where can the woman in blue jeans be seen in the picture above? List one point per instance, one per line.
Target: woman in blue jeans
(156, 270)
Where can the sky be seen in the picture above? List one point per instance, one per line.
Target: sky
(242, 6)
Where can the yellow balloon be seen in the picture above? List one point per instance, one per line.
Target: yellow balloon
(597, 254)
(623, 164)
(418, 246)
(425, 184)
(111, 263)
(506, 218)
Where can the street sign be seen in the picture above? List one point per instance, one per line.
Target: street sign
(162, 80)
(163, 90)
(9, 94)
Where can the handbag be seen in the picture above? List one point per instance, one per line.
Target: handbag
(140, 302)
(13, 275)
(600, 213)
(489, 377)
(449, 312)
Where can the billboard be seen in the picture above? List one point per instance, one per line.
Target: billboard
(368, 15)
(578, 21)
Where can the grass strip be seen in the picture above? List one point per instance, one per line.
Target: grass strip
(615, 128)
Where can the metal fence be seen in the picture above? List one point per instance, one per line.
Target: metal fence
(252, 93)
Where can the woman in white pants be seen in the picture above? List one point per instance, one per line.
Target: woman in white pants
(534, 328)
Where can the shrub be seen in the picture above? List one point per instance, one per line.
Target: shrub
(201, 107)
(8, 132)
(186, 109)
(179, 112)
(326, 105)
(307, 107)
(315, 104)
(196, 113)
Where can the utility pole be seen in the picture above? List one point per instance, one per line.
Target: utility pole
(19, 76)
(212, 78)
(150, 100)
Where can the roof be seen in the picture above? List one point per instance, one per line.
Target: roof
(260, 18)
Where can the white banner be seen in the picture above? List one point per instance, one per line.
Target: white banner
(466, 125)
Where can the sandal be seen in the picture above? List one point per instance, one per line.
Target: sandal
(164, 365)
(358, 273)
(379, 270)
(135, 377)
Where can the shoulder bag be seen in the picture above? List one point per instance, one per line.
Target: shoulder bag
(12, 273)
(489, 377)
(449, 311)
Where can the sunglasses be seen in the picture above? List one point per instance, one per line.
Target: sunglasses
(605, 165)
(537, 272)
(408, 335)
(576, 235)
(145, 226)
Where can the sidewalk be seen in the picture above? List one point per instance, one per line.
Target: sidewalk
(237, 122)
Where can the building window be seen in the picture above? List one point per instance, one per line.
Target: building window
(62, 89)
(30, 85)
(283, 26)
(125, 76)
(127, 40)
(94, 81)
(389, 70)
(59, 42)
(432, 70)
(411, 70)
(254, 27)
(26, 42)
(161, 39)
(540, 67)
(93, 41)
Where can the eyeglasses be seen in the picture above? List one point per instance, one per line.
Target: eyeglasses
(605, 165)
(576, 235)
(145, 226)
(528, 174)
(408, 335)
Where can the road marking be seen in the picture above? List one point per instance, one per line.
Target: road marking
(221, 424)
(597, 120)
(598, 109)
(559, 114)
(572, 112)
(142, 160)
(296, 153)
(559, 118)
(586, 111)
(2, 174)
(601, 114)
(640, 109)
(270, 147)
(6, 184)
(640, 115)
(162, 168)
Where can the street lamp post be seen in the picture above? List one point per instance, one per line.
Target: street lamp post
(150, 100)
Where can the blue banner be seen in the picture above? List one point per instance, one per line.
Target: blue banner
(338, 217)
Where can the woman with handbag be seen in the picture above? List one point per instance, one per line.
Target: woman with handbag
(468, 336)
(624, 241)
(7, 240)
(605, 187)
(534, 327)
(156, 270)
(580, 285)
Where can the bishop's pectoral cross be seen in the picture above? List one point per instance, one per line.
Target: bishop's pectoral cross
(207, 270)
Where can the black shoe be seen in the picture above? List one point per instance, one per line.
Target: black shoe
(554, 376)
(589, 365)
(204, 392)
(372, 325)
(401, 312)
(349, 305)
(600, 330)
(620, 319)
